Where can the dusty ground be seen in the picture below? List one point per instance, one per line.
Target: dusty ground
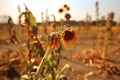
(83, 57)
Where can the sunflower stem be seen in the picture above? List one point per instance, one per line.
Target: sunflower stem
(62, 25)
(41, 65)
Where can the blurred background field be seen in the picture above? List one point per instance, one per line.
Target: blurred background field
(84, 34)
(75, 55)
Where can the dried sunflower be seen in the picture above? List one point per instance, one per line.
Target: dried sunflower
(65, 6)
(54, 40)
(67, 16)
(69, 36)
(60, 10)
(68, 8)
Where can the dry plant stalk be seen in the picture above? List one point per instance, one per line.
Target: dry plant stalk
(107, 36)
(53, 24)
(97, 13)
(45, 22)
(97, 24)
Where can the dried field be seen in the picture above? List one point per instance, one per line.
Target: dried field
(83, 57)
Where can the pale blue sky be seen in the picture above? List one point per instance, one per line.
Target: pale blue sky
(78, 10)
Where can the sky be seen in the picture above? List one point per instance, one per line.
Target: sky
(78, 8)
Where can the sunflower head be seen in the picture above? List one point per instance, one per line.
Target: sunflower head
(67, 16)
(54, 40)
(60, 10)
(69, 36)
(66, 7)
